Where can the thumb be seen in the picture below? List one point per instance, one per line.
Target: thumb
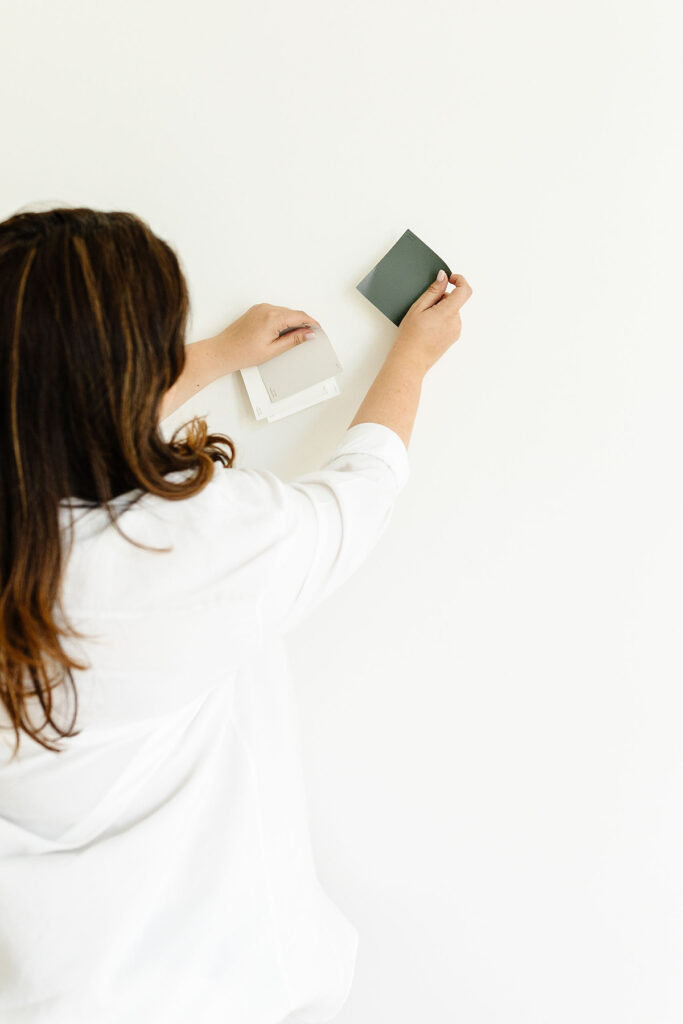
(433, 293)
(296, 337)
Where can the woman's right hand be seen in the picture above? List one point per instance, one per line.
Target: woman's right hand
(432, 324)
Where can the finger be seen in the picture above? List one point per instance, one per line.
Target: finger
(303, 333)
(286, 331)
(460, 294)
(303, 319)
(311, 320)
(290, 319)
(432, 295)
(297, 337)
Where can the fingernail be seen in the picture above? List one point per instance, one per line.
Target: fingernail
(309, 334)
(441, 275)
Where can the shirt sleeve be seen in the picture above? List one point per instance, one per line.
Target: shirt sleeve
(330, 520)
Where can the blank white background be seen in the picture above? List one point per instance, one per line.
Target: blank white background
(491, 708)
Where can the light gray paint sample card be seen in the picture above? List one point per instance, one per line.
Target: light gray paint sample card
(301, 366)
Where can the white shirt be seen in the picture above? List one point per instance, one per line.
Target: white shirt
(161, 869)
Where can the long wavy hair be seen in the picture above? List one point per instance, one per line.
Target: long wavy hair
(93, 312)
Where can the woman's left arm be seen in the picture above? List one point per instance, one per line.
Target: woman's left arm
(205, 361)
(260, 334)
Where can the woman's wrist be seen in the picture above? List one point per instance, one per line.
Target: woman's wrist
(205, 362)
(394, 395)
(409, 353)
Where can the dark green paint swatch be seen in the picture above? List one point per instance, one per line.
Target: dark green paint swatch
(401, 276)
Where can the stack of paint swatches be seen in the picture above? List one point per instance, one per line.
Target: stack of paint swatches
(294, 380)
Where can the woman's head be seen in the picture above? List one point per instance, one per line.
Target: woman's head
(93, 311)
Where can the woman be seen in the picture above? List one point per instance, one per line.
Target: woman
(155, 861)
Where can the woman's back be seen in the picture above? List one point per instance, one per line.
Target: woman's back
(166, 850)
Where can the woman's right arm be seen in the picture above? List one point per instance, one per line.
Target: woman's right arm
(429, 328)
(328, 521)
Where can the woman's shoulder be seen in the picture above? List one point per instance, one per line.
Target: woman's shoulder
(167, 552)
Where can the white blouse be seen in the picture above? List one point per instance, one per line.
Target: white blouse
(161, 869)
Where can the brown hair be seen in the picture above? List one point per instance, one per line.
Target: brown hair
(93, 311)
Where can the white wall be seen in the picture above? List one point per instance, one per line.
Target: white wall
(491, 709)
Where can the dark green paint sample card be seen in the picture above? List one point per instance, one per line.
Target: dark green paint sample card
(401, 276)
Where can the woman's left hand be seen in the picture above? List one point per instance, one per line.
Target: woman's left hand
(255, 337)
(252, 339)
